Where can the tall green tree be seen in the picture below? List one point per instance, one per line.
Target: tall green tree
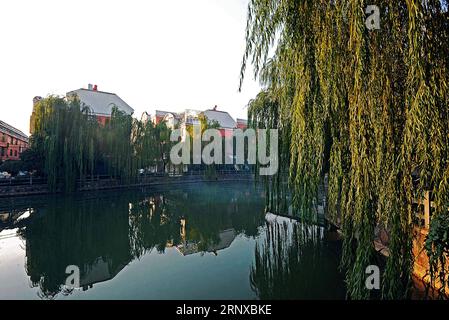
(64, 135)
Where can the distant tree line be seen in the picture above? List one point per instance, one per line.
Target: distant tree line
(69, 145)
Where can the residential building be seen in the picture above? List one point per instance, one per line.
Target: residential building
(226, 123)
(100, 103)
(181, 120)
(145, 117)
(12, 142)
(159, 116)
(242, 124)
(173, 119)
(189, 117)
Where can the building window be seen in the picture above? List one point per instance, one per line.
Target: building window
(10, 152)
(2, 151)
(15, 153)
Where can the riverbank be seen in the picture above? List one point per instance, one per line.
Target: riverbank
(421, 274)
(7, 191)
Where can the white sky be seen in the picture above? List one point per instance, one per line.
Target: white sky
(158, 54)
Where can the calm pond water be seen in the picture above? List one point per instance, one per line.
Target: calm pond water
(197, 241)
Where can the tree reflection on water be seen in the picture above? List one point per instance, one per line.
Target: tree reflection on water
(102, 234)
(294, 261)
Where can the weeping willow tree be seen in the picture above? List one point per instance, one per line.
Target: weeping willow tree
(65, 136)
(76, 147)
(161, 136)
(368, 107)
(119, 148)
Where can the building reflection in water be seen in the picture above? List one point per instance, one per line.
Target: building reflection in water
(187, 247)
(92, 235)
(103, 234)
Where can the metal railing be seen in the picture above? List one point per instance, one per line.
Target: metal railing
(21, 181)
